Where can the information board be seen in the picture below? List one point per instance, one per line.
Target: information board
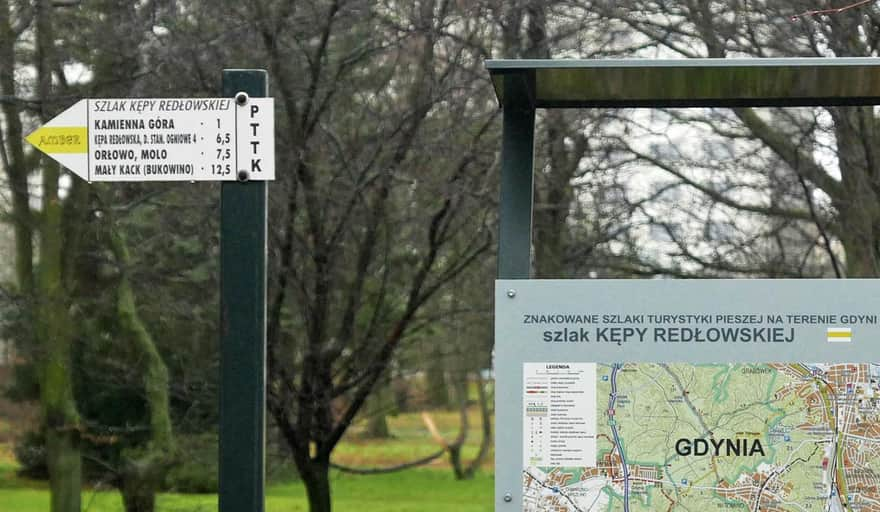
(639, 395)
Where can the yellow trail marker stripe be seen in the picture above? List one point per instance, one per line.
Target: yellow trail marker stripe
(839, 334)
(60, 139)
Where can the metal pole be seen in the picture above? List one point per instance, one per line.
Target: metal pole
(242, 327)
(517, 160)
(514, 260)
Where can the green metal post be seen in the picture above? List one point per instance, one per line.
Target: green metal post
(514, 235)
(517, 157)
(243, 327)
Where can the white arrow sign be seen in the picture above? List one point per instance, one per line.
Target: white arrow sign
(163, 139)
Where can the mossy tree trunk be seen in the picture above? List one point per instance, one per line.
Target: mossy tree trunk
(144, 467)
(54, 328)
(55, 336)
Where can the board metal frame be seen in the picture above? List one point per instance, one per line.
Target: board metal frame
(522, 86)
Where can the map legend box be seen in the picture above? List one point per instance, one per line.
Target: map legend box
(559, 414)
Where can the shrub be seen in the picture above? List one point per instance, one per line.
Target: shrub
(197, 471)
(30, 452)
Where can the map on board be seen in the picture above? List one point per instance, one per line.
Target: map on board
(701, 437)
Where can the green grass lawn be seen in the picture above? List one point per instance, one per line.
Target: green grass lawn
(427, 489)
(422, 490)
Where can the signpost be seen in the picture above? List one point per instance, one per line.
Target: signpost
(164, 139)
(225, 139)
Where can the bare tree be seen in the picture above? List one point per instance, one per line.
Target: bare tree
(389, 150)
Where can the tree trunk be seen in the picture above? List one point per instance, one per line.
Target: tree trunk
(553, 197)
(435, 376)
(455, 461)
(317, 481)
(377, 410)
(16, 171)
(400, 392)
(860, 252)
(145, 466)
(857, 205)
(377, 426)
(459, 387)
(54, 325)
(553, 193)
(65, 470)
(55, 340)
(139, 492)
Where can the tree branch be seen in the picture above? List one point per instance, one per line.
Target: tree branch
(797, 159)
